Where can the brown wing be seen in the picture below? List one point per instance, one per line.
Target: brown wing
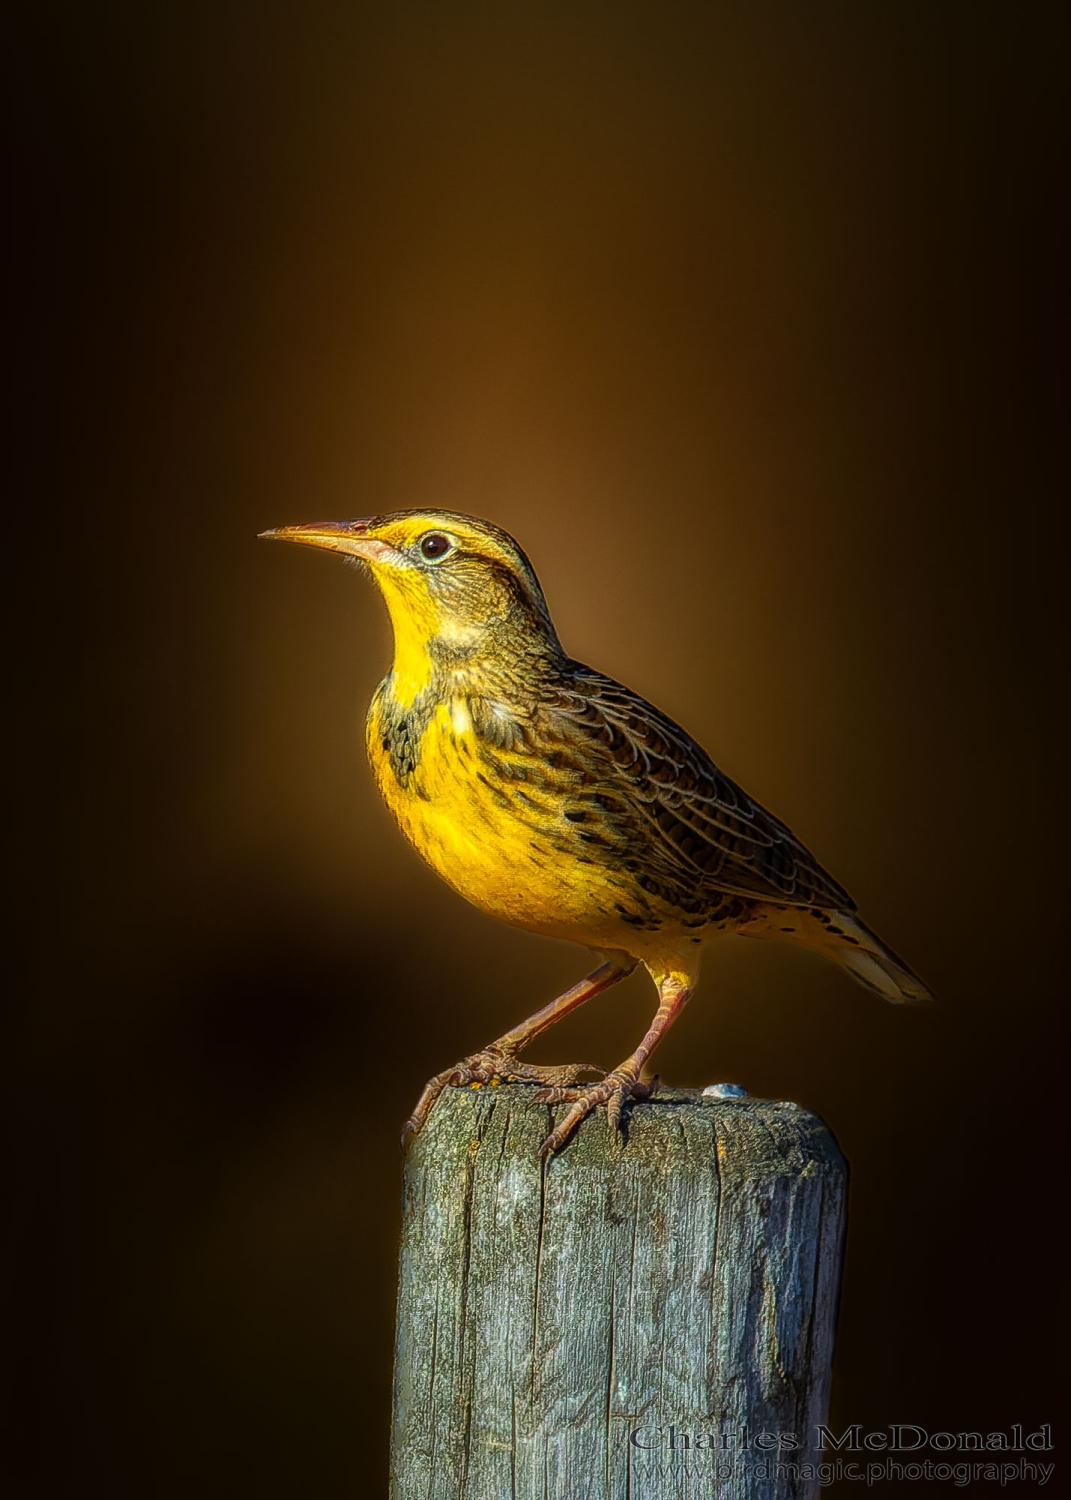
(661, 798)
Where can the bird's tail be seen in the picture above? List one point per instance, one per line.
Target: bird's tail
(851, 944)
(841, 936)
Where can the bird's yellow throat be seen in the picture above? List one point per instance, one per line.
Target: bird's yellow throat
(415, 619)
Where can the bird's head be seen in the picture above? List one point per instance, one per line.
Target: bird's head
(459, 590)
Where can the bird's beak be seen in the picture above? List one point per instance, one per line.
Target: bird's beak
(349, 537)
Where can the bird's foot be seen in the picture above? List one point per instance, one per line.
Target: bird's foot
(614, 1091)
(493, 1065)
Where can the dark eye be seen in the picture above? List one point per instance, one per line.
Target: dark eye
(434, 545)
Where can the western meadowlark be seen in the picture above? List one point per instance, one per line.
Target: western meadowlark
(556, 799)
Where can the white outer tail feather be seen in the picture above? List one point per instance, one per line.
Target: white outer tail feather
(871, 963)
(841, 936)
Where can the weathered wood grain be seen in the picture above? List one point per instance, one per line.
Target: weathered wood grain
(564, 1327)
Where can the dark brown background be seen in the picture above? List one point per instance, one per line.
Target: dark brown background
(741, 318)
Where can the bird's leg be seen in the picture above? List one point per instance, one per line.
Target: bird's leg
(498, 1061)
(593, 984)
(625, 1081)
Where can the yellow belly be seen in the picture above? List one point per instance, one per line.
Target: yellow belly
(499, 847)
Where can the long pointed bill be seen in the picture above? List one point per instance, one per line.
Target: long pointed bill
(337, 536)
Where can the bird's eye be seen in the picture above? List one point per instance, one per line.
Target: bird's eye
(435, 545)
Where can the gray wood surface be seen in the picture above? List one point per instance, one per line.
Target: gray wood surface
(563, 1327)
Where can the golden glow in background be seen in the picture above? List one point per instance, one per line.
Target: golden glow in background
(738, 318)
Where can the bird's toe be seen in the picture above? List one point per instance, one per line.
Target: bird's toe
(495, 1065)
(615, 1091)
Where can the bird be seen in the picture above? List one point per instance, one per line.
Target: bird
(558, 800)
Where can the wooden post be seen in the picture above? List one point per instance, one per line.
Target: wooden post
(620, 1321)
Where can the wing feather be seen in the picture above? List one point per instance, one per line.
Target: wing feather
(664, 805)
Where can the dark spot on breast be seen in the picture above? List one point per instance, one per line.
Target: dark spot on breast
(499, 796)
(788, 929)
(403, 729)
(630, 917)
(576, 817)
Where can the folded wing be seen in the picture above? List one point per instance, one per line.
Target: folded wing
(653, 792)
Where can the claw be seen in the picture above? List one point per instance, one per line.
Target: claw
(614, 1091)
(493, 1065)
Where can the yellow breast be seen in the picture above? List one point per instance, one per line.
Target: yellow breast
(505, 847)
